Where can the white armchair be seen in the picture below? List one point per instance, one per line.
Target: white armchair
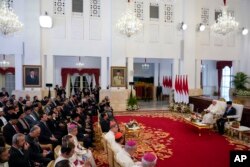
(239, 111)
(237, 116)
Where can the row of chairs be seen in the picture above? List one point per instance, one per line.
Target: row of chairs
(112, 160)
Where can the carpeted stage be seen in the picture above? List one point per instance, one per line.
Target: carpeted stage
(177, 143)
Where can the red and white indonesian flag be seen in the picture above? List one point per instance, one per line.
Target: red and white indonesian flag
(181, 89)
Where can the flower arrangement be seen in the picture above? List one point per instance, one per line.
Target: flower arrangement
(235, 124)
(179, 107)
(132, 103)
(242, 92)
(132, 123)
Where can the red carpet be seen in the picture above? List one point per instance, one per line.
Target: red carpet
(188, 148)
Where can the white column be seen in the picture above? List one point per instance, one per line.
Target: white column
(198, 74)
(130, 70)
(175, 69)
(104, 72)
(50, 69)
(156, 74)
(18, 72)
(189, 52)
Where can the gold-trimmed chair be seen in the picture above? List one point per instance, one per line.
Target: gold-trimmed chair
(56, 151)
(51, 163)
(110, 156)
(116, 163)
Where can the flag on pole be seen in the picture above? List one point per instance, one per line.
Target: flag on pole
(175, 89)
(187, 92)
(163, 81)
(181, 88)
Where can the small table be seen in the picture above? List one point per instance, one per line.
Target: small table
(240, 130)
(200, 126)
(132, 132)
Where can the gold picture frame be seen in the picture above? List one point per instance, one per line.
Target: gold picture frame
(32, 76)
(118, 76)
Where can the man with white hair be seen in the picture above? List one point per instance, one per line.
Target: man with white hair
(212, 110)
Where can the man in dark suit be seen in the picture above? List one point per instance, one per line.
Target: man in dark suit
(10, 129)
(230, 110)
(36, 152)
(23, 125)
(32, 78)
(4, 93)
(104, 122)
(19, 153)
(30, 118)
(46, 136)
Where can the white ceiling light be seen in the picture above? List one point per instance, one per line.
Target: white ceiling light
(225, 24)
(79, 64)
(183, 26)
(202, 27)
(9, 22)
(244, 31)
(145, 65)
(45, 21)
(4, 63)
(129, 24)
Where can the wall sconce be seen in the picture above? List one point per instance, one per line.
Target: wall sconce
(244, 31)
(183, 26)
(45, 21)
(201, 27)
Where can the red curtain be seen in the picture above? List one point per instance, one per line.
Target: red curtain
(71, 71)
(220, 65)
(7, 70)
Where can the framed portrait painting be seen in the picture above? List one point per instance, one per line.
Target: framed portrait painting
(118, 76)
(32, 76)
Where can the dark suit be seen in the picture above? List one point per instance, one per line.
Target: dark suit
(221, 122)
(105, 125)
(45, 135)
(23, 126)
(32, 81)
(36, 151)
(19, 157)
(4, 94)
(8, 132)
(31, 119)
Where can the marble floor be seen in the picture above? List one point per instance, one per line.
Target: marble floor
(153, 105)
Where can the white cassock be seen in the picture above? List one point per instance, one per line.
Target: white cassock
(110, 137)
(81, 151)
(213, 110)
(116, 147)
(124, 159)
(60, 158)
(6, 164)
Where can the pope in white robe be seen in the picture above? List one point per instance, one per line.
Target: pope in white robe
(212, 110)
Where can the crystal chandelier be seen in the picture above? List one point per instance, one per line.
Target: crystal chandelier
(145, 66)
(79, 64)
(4, 63)
(129, 24)
(9, 22)
(225, 24)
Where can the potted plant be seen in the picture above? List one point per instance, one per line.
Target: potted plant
(240, 80)
(132, 103)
